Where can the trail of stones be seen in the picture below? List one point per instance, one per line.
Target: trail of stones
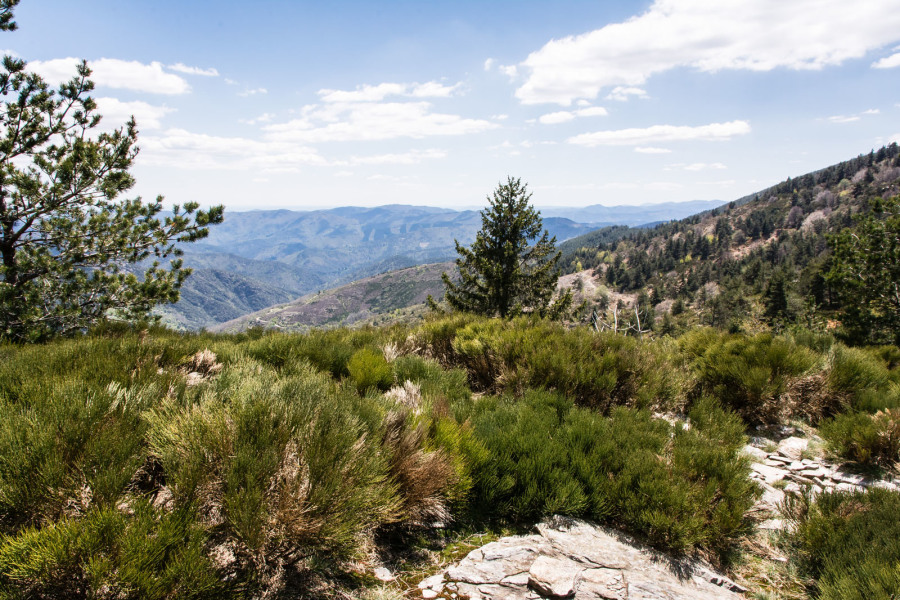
(785, 470)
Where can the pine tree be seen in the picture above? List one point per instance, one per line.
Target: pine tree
(511, 267)
(68, 245)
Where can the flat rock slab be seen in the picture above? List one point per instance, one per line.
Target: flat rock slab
(570, 558)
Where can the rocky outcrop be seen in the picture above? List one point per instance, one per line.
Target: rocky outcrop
(569, 558)
(785, 470)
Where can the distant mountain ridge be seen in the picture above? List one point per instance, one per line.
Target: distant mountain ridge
(263, 257)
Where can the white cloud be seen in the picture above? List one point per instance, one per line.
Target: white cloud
(433, 89)
(488, 64)
(114, 73)
(852, 118)
(623, 93)
(662, 133)
(253, 92)
(183, 68)
(651, 150)
(230, 81)
(888, 62)
(703, 166)
(187, 150)
(511, 71)
(894, 139)
(263, 118)
(377, 93)
(116, 113)
(757, 35)
(406, 158)
(500, 117)
(564, 116)
(349, 121)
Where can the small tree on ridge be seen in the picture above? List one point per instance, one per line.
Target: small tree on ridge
(511, 267)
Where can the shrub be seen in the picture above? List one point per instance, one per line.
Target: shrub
(848, 542)
(748, 374)
(283, 463)
(146, 554)
(368, 369)
(863, 378)
(872, 440)
(597, 370)
(548, 456)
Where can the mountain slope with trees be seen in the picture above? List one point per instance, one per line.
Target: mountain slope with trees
(762, 260)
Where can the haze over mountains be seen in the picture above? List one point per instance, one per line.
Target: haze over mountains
(257, 259)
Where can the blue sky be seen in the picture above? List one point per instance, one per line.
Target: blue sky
(278, 104)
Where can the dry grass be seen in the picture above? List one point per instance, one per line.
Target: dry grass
(422, 477)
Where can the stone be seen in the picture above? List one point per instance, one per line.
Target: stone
(435, 582)
(796, 466)
(769, 474)
(755, 453)
(608, 584)
(383, 574)
(428, 594)
(772, 524)
(793, 447)
(554, 576)
(574, 558)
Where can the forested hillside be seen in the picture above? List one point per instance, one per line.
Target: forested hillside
(762, 260)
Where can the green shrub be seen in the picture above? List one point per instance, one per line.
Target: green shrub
(748, 374)
(597, 370)
(548, 456)
(848, 542)
(284, 460)
(872, 440)
(107, 553)
(368, 369)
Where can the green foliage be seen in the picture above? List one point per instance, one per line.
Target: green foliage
(283, 458)
(862, 378)
(748, 374)
(144, 554)
(872, 440)
(597, 370)
(504, 273)
(66, 237)
(548, 456)
(368, 369)
(849, 543)
(865, 271)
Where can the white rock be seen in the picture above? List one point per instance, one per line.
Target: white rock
(428, 594)
(434, 582)
(793, 447)
(554, 576)
(755, 453)
(384, 574)
(769, 474)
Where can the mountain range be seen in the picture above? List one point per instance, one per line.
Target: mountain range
(257, 259)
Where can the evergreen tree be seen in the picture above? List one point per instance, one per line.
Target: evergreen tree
(865, 273)
(67, 243)
(512, 265)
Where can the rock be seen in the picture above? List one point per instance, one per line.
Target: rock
(793, 447)
(428, 594)
(608, 584)
(554, 576)
(574, 558)
(755, 453)
(769, 474)
(384, 574)
(772, 524)
(435, 582)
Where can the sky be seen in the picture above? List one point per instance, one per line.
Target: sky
(307, 105)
